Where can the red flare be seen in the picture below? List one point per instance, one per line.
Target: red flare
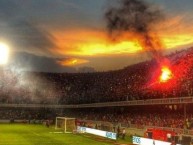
(166, 74)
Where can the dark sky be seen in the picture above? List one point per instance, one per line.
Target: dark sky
(63, 35)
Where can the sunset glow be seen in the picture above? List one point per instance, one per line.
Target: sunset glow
(72, 62)
(95, 43)
(64, 32)
(101, 49)
(177, 40)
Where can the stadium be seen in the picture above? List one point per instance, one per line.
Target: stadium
(46, 100)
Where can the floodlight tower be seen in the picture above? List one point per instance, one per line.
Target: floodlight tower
(4, 53)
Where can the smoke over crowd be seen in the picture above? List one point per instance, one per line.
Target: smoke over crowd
(136, 19)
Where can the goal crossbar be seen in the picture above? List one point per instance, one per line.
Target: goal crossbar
(65, 123)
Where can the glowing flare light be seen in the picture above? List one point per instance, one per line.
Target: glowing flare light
(166, 74)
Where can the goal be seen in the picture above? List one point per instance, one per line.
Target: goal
(67, 125)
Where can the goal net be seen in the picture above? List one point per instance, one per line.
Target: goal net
(65, 124)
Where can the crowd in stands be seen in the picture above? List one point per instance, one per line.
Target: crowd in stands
(130, 83)
(126, 116)
(25, 114)
(142, 116)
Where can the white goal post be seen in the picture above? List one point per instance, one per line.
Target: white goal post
(67, 125)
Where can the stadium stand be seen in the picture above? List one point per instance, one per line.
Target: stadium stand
(127, 116)
(130, 83)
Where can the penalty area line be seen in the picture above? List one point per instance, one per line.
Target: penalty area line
(35, 133)
(58, 132)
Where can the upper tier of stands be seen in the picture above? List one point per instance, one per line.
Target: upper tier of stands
(131, 83)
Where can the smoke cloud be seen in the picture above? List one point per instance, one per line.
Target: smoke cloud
(137, 19)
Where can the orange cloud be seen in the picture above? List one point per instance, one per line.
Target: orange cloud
(72, 62)
(176, 32)
(92, 43)
(173, 32)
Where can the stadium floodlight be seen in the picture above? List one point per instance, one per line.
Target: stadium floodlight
(4, 53)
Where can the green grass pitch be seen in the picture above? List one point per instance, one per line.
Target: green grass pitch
(25, 134)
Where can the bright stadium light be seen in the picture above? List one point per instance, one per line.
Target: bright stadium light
(4, 53)
(166, 74)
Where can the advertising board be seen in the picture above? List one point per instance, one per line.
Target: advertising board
(106, 134)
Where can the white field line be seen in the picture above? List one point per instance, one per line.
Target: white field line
(35, 133)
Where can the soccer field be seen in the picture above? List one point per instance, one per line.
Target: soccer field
(24, 134)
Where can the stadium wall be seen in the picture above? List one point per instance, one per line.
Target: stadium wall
(183, 100)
